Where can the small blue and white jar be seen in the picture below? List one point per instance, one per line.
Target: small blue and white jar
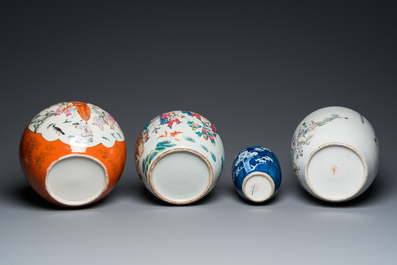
(256, 174)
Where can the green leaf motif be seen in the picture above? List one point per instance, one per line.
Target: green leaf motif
(190, 139)
(164, 144)
(213, 156)
(161, 146)
(205, 148)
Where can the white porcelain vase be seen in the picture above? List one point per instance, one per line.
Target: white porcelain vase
(179, 156)
(335, 154)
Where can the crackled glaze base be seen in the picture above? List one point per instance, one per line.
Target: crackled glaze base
(181, 176)
(336, 172)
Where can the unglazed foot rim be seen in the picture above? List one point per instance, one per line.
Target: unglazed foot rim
(343, 196)
(169, 199)
(258, 182)
(60, 189)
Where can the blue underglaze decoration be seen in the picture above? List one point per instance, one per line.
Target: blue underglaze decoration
(255, 159)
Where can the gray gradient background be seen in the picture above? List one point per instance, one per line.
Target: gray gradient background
(255, 69)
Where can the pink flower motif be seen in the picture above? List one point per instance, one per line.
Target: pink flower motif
(214, 128)
(194, 125)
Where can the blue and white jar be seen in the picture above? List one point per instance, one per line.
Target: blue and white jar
(256, 174)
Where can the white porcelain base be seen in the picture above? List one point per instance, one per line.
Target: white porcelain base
(335, 172)
(76, 180)
(258, 187)
(181, 176)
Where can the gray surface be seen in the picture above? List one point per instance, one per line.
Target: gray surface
(255, 70)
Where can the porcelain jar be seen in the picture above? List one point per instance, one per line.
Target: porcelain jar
(179, 156)
(256, 174)
(335, 154)
(72, 153)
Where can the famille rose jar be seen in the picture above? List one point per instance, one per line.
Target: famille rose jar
(179, 156)
(256, 174)
(72, 153)
(335, 154)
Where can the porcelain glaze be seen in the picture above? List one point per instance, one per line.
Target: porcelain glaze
(179, 156)
(335, 154)
(256, 174)
(72, 153)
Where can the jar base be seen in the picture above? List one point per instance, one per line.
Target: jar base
(336, 172)
(76, 180)
(181, 176)
(258, 187)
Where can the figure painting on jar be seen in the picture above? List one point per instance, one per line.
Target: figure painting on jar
(305, 133)
(64, 108)
(170, 118)
(86, 136)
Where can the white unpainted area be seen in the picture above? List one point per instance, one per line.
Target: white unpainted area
(336, 172)
(180, 177)
(76, 180)
(258, 187)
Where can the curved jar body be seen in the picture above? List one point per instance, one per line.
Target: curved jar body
(335, 154)
(256, 174)
(72, 153)
(179, 156)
